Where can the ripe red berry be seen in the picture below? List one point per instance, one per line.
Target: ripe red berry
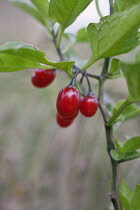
(63, 122)
(88, 105)
(42, 78)
(68, 101)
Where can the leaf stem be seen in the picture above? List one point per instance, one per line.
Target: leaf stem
(60, 36)
(98, 8)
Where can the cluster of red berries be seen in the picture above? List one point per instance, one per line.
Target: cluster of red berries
(69, 102)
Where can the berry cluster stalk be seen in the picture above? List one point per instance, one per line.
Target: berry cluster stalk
(114, 195)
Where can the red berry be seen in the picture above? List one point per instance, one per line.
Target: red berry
(68, 101)
(63, 122)
(88, 105)
(42, 78)
(72, 117)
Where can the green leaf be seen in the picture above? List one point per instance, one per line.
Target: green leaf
(135, 200)
(30, 9)
(11, 63)
(114, 35)
(31, 53)
(131, 111)
(114, 70)
(124, 203)
(121, 5)
(119, 145)
(138, 57)
(125, 190)
(131, 145)
(131, 156)
(116, 155)
(65, 12)
(43, 7)
(132, 75)
(125, 195)
(81, 35)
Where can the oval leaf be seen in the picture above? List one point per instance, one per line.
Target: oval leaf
(114, 35)
(10, 63)
(132, 75)
(135, 200)
(65, 12)
(131, 145)
(121, 5)
(116, 156)
(31, 53)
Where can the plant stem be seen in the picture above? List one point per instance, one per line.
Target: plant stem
(98, 8)
(111, 6)
(114, 196)
(60, 37)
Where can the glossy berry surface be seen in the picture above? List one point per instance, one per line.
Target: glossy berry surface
(63, 122)
(88, 105)
(68, 101)
(42, 78)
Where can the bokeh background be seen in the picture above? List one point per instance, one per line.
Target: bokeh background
(42, 166)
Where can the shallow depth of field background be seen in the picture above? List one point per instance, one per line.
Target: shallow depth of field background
(44, 167)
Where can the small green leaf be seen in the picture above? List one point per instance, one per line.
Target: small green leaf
(125, 190)
(125, 195)
(132, 110)
(114, 70)
(119, 145)
(131, 156)
(31, 53)
(114, 35)
(82, 35)
(116, 155)
(65, 12)
(131, 145)
(11, 63)
(30, 9)
(132, 75)
(138, 57)
(121, 5)
(135, 200)
(124, 203)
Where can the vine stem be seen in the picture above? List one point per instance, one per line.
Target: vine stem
(98, 8)
(114, 195)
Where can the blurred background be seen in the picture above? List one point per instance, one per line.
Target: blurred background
(42, 166)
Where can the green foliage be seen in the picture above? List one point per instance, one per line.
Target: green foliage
(114, 70)
(132, 110)
(129, 199)
(121, 5)
(125, 195)
(116, 155)
(132, 75)
(10, 63)
(30, 9)
(65, 12)
(29, 53)
(135, 200)
(126, 151)
(43, 8)
(113, 35)
(81, 35)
